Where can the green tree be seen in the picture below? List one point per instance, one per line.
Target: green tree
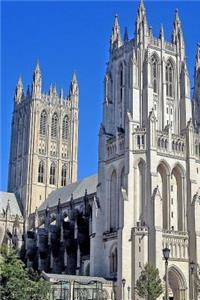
(149, 284)
(18, 282)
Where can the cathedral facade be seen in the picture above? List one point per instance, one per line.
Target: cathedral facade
(146, 195)
(149, 161)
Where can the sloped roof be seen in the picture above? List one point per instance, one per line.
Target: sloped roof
(64, 277)
(10, 198)
(77, 189)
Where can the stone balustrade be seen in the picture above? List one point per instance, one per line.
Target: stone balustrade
(177, 144)
(177, 242)
(115, 146)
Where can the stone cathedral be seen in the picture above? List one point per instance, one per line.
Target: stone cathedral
(146, 195)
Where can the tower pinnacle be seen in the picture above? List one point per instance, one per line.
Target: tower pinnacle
(19, 91)
(74, 89)
(177, 36)
(115, 40)
(141, 26)
(37, 82)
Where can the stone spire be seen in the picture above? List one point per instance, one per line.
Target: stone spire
(177, 36)
(125, 35)
(141, 25)
(37, 82)
(61, 95)
(74, 89)
(54, 90)
(115, 40)
(19, 91)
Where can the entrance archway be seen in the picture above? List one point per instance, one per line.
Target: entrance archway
(177, 284)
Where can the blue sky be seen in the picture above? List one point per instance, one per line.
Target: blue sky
(68, 36)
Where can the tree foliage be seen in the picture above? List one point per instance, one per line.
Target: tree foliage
(17, 282)
(149, 284)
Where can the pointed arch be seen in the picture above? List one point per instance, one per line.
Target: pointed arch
(52, 178)
(113, 260)
(65, 128)
(178, 208)
(41, 172)
(54, 126)
(169, 78)
(64, 175)
(121, 81)
(108, 87)
(141, 176)
(43, 121)
(163, 171)
(113, 201)
(155, 72)
(177, 282)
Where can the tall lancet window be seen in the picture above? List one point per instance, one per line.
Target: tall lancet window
(64, 175)
(54, 126)
(52, 174)
(43, 120)
(154, 74)
(65, 128)
(121, 82)
(41, 172)
(113, 261)
(108, 88)
(113, 201)
(169, 79)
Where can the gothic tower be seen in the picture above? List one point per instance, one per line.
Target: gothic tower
(44, 142)
(149, 171)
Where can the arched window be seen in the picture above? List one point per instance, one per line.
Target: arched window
(169, 79)
(52, 174)
(113, 261)
(113, 201)
(64, 175)
(163, 184)
(43, 120)
(178, 199)
(65, 128)
(54, 125)
(41, 172)
(154, 74)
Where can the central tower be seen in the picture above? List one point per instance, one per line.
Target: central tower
(148, 165)
(44, 141)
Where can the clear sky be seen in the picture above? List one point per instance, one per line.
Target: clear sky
(68, 36)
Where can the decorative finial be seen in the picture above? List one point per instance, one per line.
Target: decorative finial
(161, 31)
